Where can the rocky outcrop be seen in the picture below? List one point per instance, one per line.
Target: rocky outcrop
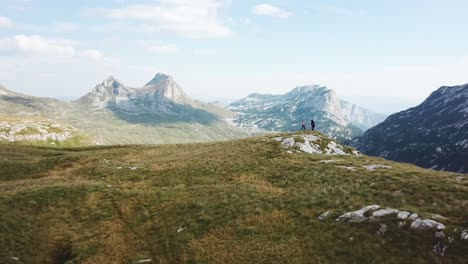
(373, 213)
(358, 216)
(426, 224)
(17, 131)
(314, 143)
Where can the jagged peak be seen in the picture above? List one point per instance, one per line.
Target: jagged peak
(309, 88)
(159, 77)
(111, 81)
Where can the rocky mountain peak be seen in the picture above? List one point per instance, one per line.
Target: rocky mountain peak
(309, 89)
(164, 86)
(111, 82)
(159, 78)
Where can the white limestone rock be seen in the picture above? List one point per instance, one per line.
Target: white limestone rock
(288, 143)
(309, 148)
(464, 235)
(374, 167)
(324, 216)
(382, 230)
(439, 235)
(145, 261)
(403, 215)
(385, 212)
(413, 216)
(348, 168)
(357, 216)
(426, 224)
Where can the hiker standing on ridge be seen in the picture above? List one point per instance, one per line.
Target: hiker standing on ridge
(312, 124)
(303, 128)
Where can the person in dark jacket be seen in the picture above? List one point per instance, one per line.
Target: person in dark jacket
(303, 128)
(312, 125)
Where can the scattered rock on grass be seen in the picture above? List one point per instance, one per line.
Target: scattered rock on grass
(403, 215)
(426, 224)
(402, 224)
(180, 229)
(288, 143)
(324, 216)
(382, 230)
(357, 216)
(348, 168)
(330, 161)
(464, 235)
(385, 212)
(413, 217)
(374, 167)
(145, 261)
(439, 235)
(440, 249)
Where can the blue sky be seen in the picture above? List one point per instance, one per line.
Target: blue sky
(385, 55)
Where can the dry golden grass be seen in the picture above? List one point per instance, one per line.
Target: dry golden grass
(236, 202)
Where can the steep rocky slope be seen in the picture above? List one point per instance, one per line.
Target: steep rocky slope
(112, 113)
(334, 117)
(432, 135)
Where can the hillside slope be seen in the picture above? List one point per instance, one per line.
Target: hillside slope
(113, 113)
(432, 135)
(258, 200)
(337, 118)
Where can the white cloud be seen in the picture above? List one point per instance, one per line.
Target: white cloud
(92, 54)
(5, 22)
(270, 10)
(205, 52)
(39, 46)
(196, 19)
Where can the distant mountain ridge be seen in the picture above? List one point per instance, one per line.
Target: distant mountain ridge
(432, 135)
(113, 113)
(337, 118)
(112, 92)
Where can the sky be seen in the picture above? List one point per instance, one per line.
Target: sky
(383, 55)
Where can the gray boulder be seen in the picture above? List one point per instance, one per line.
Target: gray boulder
(426, 224)
(357, 216)
(464, 235)
(385, 212)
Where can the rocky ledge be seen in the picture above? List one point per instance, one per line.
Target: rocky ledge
(314, 144)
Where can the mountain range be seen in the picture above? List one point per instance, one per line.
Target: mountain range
(335, 117)
(113, 113)
(161, 112)
(432, 135)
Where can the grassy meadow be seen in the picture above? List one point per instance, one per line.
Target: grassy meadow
(243, 201)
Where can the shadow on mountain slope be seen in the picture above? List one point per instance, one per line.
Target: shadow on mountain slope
(169, 113)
